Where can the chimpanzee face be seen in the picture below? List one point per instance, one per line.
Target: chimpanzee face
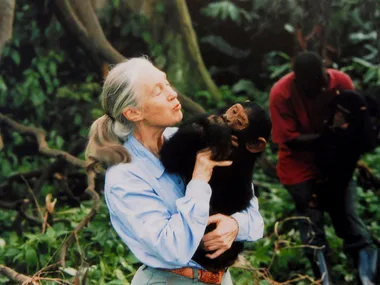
(340, 119)
(236, 117)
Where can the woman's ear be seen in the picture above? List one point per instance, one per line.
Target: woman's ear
(132, 114)
(258, 146)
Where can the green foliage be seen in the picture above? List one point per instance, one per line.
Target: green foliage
(47, 81)
(226, 9)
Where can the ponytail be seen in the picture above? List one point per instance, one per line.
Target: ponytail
(104, 146)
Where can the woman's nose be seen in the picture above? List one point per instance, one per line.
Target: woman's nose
(172, 94)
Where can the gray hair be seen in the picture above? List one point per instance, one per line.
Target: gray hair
(109, 131)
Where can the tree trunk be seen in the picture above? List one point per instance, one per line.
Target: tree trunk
(7, 8)
(190, 39)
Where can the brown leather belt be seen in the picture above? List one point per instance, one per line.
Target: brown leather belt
(204, 276)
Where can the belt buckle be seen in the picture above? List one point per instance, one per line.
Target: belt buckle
(210, 277)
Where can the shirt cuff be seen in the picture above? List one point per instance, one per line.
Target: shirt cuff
(198, 189)
(242, 220)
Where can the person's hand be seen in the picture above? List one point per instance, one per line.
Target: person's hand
(220, 239)
(204, 165)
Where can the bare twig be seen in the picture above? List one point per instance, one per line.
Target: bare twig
(34, 198)
(95, 208)
(14, 205)
(24, 214)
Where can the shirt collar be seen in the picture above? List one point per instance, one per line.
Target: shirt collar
(139, 152)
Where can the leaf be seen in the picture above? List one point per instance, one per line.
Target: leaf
(289, 28)
(3, 280)
(120, 250)
(31, 256)
(280, 70)
(50, 204)
(369, 75)
(120, 275)
(223, 10)
(243, 85)
(15, 56)
(69, 270)
(362, 62)
(10, 252)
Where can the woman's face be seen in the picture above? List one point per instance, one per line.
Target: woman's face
(160, 105)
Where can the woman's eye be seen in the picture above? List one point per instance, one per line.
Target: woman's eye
(157, 92)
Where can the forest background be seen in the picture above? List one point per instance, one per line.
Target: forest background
(54, 226)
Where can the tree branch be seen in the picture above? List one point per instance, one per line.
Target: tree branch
(14, 205)
(43, 147)
(80, 19)
(190, 39)
(190, 106)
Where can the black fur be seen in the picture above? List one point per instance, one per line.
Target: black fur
(372, 97)
(340, 149)
(231, 186)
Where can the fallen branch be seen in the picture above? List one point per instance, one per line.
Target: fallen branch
(16, 277)
(95, 208)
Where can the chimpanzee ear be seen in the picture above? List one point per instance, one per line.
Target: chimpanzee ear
(257, 147)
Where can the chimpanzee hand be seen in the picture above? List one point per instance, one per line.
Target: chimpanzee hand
(220, 239)
(235, 141)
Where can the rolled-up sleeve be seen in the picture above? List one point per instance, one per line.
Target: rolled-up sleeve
(251, 223)
(143, 220)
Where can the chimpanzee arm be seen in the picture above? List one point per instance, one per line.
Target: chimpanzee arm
(304, 142)
(179, 152)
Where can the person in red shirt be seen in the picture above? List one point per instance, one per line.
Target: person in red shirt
(298, 104)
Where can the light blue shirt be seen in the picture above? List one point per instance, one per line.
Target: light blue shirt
(161, 220)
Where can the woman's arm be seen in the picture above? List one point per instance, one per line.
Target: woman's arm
(251, 223)
(143, 221)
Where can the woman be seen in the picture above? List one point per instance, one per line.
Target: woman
(161, 220)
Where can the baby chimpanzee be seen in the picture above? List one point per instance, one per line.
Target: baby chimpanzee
(346, 136)
(231, 186)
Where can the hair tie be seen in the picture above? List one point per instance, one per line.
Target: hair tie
(109, 116)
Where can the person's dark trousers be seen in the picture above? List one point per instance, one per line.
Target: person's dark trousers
(312, 199)
(311, 226)
(357, 242)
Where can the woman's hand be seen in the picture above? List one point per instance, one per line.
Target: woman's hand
(204, 165)
(220, 239)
